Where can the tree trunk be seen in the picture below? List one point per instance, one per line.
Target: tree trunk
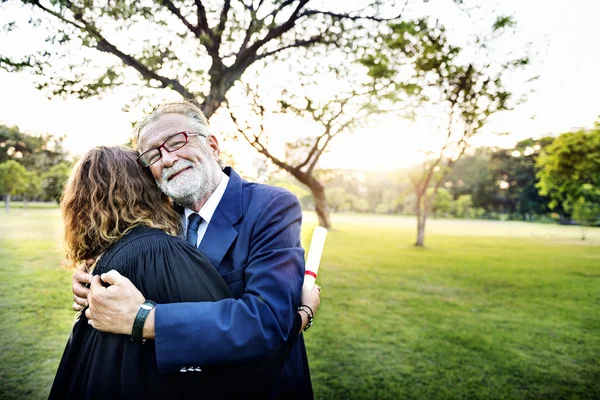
(423, 205)
(7, 202)
(318, 192)
(211, 104)
(221, 81)
(25, 202)
(321, 207)
(420, 231)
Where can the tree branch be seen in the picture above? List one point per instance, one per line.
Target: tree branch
(250, 53)
(105, 46)
(57, 15)
(203, 21)
(339, 16)
(312, 151)
(297, 43)
(315, 160)
(276, 11)
(223, 17)
(260, 147)
(218, 35)
(175, 11)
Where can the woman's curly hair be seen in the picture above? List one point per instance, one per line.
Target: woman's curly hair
(107, 195)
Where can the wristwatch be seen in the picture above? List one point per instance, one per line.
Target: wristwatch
(140, 320)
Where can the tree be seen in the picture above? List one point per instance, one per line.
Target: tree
(586, 211)
(463, 206)
(198, 49)
(472, 174)
(502, 180)
(514, 172)
(339, 199)
(570, 173)
(442, 202)
(462, 83)
(32, 187)
(334, 116)
(35, 152)
(54, 180)
(13, 179)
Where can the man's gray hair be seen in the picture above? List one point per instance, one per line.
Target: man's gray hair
(189, 108)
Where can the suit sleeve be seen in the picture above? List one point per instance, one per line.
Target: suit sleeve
(260, 322)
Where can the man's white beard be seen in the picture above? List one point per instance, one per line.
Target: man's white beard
(192, 185)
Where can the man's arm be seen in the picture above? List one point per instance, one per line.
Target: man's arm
(120, 285)
(229, 330)
(258, 323)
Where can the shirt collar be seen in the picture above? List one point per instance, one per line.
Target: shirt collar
(209, 208)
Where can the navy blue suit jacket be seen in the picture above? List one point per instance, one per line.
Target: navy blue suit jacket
(253, 240)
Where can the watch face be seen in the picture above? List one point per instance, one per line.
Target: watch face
(146, 307)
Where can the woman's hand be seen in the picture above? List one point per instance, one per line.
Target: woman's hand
(81, 281)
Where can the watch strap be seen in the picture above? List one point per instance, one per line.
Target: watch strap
(140, 320)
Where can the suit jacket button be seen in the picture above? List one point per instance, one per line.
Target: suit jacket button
(190, 369)
(198, 369)
(183, 370)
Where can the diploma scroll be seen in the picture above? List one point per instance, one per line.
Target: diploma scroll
(315, 252)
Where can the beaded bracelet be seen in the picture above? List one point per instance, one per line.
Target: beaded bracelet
(308, 314)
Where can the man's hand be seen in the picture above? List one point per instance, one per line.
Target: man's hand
(82, 278)
(311, 297)
(114, 308)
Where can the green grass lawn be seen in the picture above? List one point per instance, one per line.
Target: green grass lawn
(30, 204)
(487, 310)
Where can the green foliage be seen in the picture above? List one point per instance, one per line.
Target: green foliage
(42, 158)
(442, 201)
(472, 90)
(463, 204)
(474, 174)
(503, 22)
(502, 180)
(417, 61)
(37, 153)
(33, 186)
(514, 171)
(570, 169)
(198, 49)
(340, 200)
(586, 211)
(13, 178)
(291, 185)
(54, 180)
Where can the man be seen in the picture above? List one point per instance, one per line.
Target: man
(250, 233)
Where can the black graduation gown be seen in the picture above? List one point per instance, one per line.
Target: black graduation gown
(166, 269)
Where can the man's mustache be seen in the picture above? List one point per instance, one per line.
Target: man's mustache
(176, 168)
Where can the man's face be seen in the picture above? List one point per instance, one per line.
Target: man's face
(190, 174)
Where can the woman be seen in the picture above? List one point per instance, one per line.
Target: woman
(113, 212)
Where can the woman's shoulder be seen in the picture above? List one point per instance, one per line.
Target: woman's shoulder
(142, 241)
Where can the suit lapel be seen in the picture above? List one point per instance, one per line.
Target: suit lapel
(221, 232)
(217, 239)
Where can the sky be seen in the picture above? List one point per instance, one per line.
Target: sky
(563, 37)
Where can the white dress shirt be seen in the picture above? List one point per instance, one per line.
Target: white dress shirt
(208, 209)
